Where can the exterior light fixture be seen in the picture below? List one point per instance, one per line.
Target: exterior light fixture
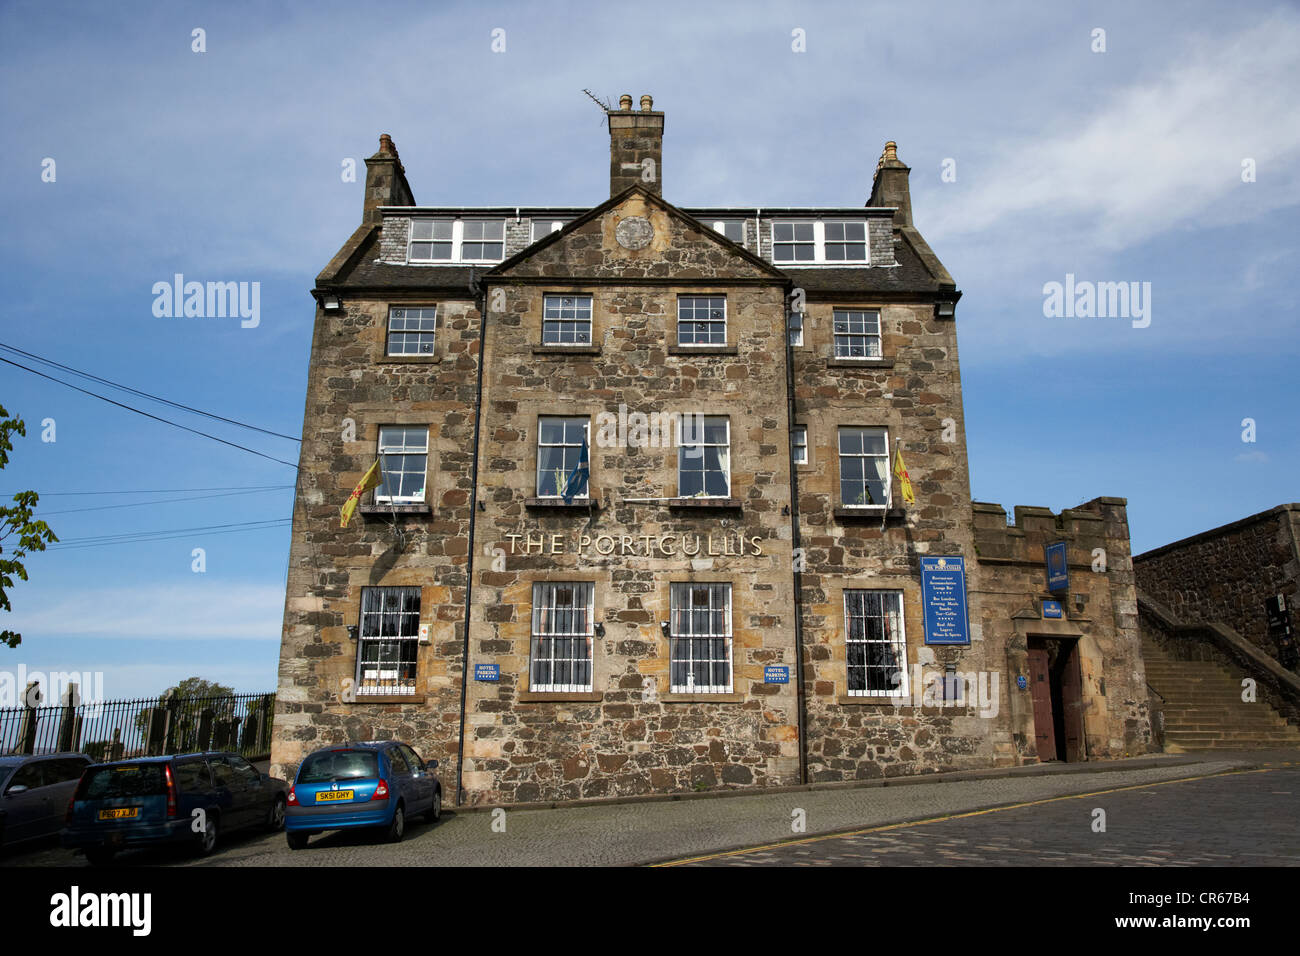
(663, 626)
(330, 303)
(352, 632)
(945, 308)
(600, 628)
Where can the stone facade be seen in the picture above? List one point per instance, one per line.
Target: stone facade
(481, 540)
(1224, 575)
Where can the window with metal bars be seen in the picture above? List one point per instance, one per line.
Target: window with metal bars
(562, 636)
(387, 640)
(701, 320)
(876, 649)
(700, 638)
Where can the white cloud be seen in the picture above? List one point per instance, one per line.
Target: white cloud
(195, 611)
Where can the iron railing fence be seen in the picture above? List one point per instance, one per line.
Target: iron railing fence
(120, 729)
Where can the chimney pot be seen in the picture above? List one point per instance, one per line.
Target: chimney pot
(891, 151)
(647, 103)
(625, 101)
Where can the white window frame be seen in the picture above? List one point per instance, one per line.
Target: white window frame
(555, 226)
(708, 321)
(586, 431)
(864, 458)
(419, 330)
(867, 338)
(691, 445)
(457, 240)
(720, 227)
(393, 459)
(576, 319)
(568, 644)
(888, 617)
(799, 444)
(819, 242)
(372, 624)
(682, 637)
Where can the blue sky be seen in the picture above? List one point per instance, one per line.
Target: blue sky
(225, 165)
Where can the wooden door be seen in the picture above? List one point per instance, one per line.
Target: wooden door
(1040, 685)
(1072, 703)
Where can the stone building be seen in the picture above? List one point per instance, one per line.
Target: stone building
(640, 528)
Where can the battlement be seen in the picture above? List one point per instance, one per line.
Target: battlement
(1099, 523)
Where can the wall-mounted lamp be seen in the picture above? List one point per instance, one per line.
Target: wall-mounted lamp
(663, 626)
(945, 308)
(330, 303)
(352, 632)
(600, 628)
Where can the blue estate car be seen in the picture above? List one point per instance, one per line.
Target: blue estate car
(374, 784)
(184, 798)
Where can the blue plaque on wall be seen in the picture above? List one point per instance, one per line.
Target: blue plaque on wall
(487, 672)
(943, 600)
(776, 674)
(1058, 573)
(1051, 609)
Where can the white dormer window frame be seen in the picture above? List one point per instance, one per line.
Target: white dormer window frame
(429, 236)
(541, 228)
(824, 242)
(728, 229)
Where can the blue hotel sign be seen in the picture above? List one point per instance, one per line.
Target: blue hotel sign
(776, 674)
(487, 672)
(1051, 609)
(943, 600)
(1058, 574)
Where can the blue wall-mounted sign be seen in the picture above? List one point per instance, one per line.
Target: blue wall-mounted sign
(1058, 573)
(1051, 609)
(943, 600)
(1022, 681)
(776, 674)
(487, 672)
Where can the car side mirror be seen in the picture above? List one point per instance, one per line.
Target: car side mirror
(431, 765)
(16, 789)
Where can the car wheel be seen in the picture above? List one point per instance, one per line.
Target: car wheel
(397, 829)
(297, 840)
(435, 812)
(99, 855)
(208, 838)
(276, 820)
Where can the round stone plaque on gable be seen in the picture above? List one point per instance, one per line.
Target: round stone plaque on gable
(634, 232)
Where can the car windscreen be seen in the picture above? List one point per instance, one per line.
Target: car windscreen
(333, 766)
(134, 780)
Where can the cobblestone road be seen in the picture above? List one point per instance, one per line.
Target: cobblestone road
(646, 832)
(1239, 819)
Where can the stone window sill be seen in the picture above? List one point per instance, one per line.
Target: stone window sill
(869, 513)
(706, 504)
(381, 510)
(536, 697)
(566, 349)
(389, 699)
(879, 701)
(581, 504)
(702, 698)
(430, 358)
(703, 350)
(859, 363)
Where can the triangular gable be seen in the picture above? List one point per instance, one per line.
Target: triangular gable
(593, 246)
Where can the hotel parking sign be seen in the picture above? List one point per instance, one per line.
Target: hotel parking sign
(943, 600)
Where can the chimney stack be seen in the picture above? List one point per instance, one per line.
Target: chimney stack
(636, 145)
(386, 183)
(889, 188)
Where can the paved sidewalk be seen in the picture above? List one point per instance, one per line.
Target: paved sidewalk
(645, 832)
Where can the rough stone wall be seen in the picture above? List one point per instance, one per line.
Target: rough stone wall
(351, 379)
(1100, 612)
(1225, 575)
(915, 392)
(632, 735)
(393, 239)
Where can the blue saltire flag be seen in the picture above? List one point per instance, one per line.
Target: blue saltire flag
(576, 483)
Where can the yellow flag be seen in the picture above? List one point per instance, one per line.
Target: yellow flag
(371, 479)
(900, 472)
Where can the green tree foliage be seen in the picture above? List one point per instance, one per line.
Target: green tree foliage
(16, 522)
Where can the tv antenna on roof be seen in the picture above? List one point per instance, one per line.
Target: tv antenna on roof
(604, 105)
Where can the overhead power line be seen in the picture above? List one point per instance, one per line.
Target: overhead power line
(130, 408)
(164, 501)
(142, 394)
(164, 491)
(98, 541)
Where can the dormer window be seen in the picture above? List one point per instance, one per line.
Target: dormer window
(733, 229)
(818, 242)
(544, 227)
(457, 240)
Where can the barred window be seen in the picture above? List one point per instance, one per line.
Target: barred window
(387, 640)
(410, 331)
(559, 452)
(566, 320)
(403, 460)
(864, 467)
(857, 334)
(562, 635)
(701, 320)
(704, 457)
(700, 638)
(876, 645)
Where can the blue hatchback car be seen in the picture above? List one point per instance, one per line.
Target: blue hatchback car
(375, 784)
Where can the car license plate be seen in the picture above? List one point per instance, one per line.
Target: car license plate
(323, 795)
(121, 813)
